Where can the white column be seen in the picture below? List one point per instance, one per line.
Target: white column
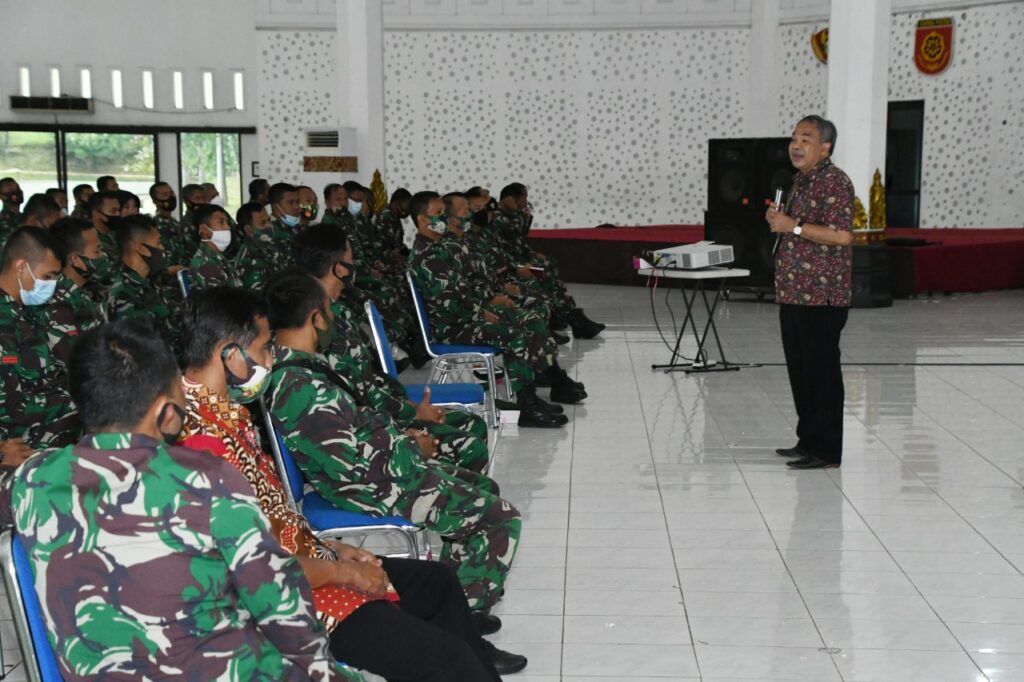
(763, 86)
(360, 41)
(858, 86)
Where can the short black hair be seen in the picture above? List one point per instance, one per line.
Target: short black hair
(476, 192)
(400, 194)
(132, 229)
(292, 296)
(218, 315)
(31, 243)
(54, 191)
(243, 216)
(155, 186)
(318, 247)
(515, 189)
(353, 186)
(826, 131)
(103, 180)
(256, 186)
(331, 189)
(4, 181)
(115, 373)
(278, 190)
(447, 198)
(97, 198)
(68, 232)
(40, 205)
(79, 189)
(202, 215)
(124, 197)
(419, 202)
(189, 190)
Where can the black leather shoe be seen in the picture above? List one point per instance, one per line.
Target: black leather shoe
(567, 394)
(505, 662)
(535, 417)
(582, 326)
(560, 339)
(550, 407)
(790, 452)
(485, 623)
(812, 462)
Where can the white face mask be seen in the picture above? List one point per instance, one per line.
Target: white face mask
(217, 200)
(41, 291)
(220, 238)
(354, 207)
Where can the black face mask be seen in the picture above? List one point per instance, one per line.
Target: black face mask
(171, 436)
(16, 197)
(169, 204)
(155, 260)
(481, 218)
(349, 279)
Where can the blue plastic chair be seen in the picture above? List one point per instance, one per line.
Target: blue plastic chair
(450, 358)
(38, 657)
(185, 282)
(327, 520)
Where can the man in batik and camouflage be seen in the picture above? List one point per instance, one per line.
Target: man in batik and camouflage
(324, 252)
(10, 216)
(135, 295)
(171, 233)
(360, 461)
(209, 267)
(36, 412)
(217, 599)
(72, 311)
(258, 257)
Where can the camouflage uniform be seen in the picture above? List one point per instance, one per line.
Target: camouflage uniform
(338, 217)
(463, 435)
(134, 297)
(70, 312)
(36, 406)
(210, 268)
(172, 236)
(82, 213)
(359, 461)
(257, 260)
(155, 561)
(390, 231)
(284, 238)
(456, 308)
(189, 234)
(9, 222)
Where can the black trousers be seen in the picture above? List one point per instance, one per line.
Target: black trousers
(810, 339)
(427, 636)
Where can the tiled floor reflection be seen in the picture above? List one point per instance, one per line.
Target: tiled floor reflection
(664, 539)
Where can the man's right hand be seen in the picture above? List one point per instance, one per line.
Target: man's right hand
(503, 300)
(362, 575)
(13, 452)
(428, 444)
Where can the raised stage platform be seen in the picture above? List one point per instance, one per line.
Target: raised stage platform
(953, 260)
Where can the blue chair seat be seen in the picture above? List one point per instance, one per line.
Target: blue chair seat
(323, 515)
(441, 394)
(455, 349)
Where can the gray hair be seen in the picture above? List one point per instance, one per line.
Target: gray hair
(826, 130)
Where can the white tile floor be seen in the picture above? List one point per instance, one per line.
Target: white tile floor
(664, 541)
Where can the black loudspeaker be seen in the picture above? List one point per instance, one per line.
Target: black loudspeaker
(744, 172)
(746, 231)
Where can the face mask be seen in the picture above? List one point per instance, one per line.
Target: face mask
(92, 266)
(349, 279)
(354, 207)
(324, 337)
(217, 201)
(41, 291)
(480, 218)
(309, 211)
(438, 225)
(220, 238)
(154, 260)
(17, 197)
(290, 220)
(249, 389)
(169, 204)
(172, 436)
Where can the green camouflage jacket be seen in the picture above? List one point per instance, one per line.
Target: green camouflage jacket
(36, 406)
(451, 299)
(134, 297)
(156, 562)
(189, 236)
(354, 457)
(389, 230)
(487, 244)
(210, 268)
(172, 236)
(257, 260)
(108, 242)
(70, 312)
(9, 222)
(284, 238)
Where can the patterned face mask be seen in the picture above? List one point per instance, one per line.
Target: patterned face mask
(309, 211)
(249, 388)
(438, 224)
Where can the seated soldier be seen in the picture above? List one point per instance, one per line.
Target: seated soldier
(389, 224)
(259, 191)
(324, 252)
(431, 635)
(135, 295)
(358, 460)
(40, 210)
(171, 234)
(463, 311)
(71, 310)
(130, 203)
(81, 194)
(256, 259)
(309, 208)
(61, 197)
(209, 267)
(156, 560)
(285, 219)
(12, 198)
(104, 211)
(36, 412)
(107, 183)
(192, 197)
(336, 206)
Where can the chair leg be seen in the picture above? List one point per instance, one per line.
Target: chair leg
(492, 392)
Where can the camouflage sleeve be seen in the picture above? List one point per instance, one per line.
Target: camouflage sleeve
(61, 329)
(6, 500)
(208, 273)
(269, 581)
(441, 287)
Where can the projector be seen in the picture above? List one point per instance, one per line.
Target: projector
(693, 256)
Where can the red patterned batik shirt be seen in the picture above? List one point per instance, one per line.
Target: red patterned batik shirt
(807, 273)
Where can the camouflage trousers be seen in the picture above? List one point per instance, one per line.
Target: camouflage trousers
(553, 289)
(480, 530)
(462, 439)
(396, 310)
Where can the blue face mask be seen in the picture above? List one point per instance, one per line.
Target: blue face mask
(354, 207)
(41, 291)
(290, 220)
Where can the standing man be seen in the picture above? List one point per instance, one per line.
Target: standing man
(813, 264)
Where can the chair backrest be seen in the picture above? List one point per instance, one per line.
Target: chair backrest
(40, 661)
(185, 282)
(421, 310)
(380, 339)
(292, 478)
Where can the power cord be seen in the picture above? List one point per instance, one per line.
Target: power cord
(654, 314)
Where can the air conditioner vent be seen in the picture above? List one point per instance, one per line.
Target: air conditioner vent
(322, 139)
(81, 105)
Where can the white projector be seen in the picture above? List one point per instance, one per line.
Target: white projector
(693, 256)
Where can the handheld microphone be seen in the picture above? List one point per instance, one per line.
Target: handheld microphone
(778, 202)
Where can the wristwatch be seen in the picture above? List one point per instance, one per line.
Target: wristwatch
(798, 228)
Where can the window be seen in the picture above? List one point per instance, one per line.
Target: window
(147, 88)
(213, 157)
(208, 89)
(116, 94)
(31, 157)
(129, 157)
(54, 81)
(239, 91)
(85, 75)
(25, 81)
(179, 90)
